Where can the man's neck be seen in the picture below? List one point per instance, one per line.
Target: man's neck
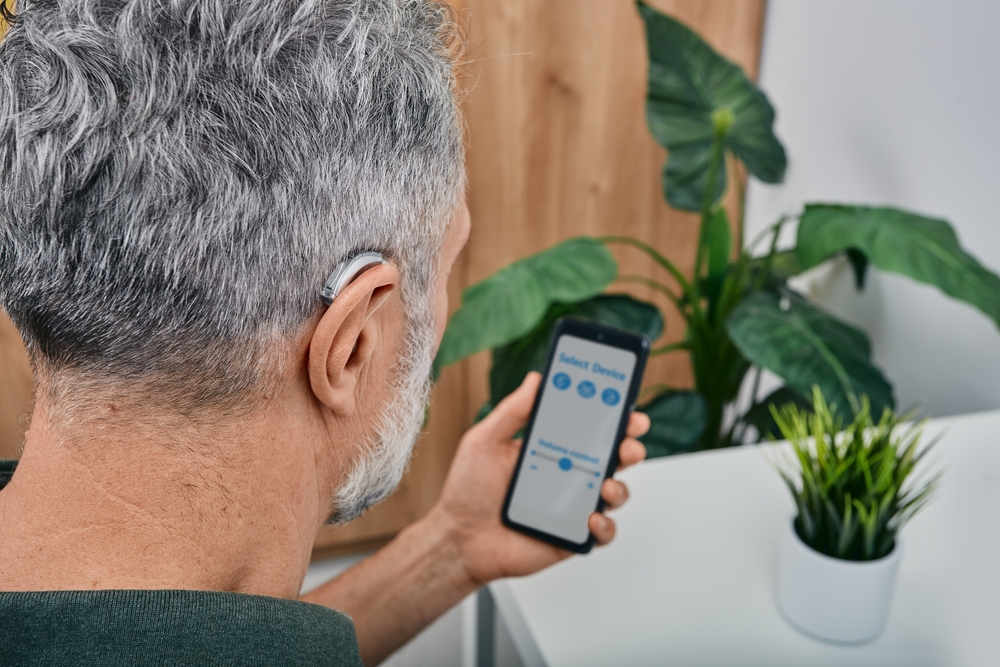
(123, 504)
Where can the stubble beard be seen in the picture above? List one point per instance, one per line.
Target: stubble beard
(385, 457)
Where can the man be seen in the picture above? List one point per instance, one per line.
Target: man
(177, 180)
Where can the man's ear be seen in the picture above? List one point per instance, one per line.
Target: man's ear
(345, 338)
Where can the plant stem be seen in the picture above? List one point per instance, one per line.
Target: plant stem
(756, 387)
(652, 252)
(769, 261)
(741, 203)
(717, 365)
(659, 287)
(767, 230)
(708, 201)
(672, 347)
(753, 404)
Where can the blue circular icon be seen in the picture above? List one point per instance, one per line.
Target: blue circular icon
(565, 463)
(586, 389)
(561, 381)
(610, 396)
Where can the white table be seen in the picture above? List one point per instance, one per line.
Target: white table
(690, 579)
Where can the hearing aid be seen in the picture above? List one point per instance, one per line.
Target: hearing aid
(347, 271)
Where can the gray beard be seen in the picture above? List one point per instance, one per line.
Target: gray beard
(385, 457)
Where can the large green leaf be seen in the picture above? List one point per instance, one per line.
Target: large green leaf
(807, 346)
(514, 300)
(689, 83)
(678, 420)
(513, 361)
(760, 416)
(921, 248)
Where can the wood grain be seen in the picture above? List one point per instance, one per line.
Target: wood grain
(15, 390)
(558, 144)
(3, 23)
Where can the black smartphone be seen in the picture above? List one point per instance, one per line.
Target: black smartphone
(589, 388)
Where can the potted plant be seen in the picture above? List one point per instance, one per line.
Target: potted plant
(854, 489)
(740, 313)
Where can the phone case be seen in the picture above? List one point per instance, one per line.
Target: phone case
(604, 335)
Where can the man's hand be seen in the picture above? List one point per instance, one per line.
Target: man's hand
(474, 492)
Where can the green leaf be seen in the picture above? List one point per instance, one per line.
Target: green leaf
(513, 300)
(779, 267)
(853, 483)
(784, 264)
(760, 417)
(678, 420)
(807, 346)
(689, 84)
(924, 249)
(513, 361)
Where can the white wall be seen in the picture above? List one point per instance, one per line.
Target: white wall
(895, 102)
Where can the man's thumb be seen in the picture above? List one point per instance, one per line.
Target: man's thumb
(511, 414)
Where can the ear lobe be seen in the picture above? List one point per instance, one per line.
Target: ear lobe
(345, 338)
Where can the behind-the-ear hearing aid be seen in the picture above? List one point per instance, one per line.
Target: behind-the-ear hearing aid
(346, 271)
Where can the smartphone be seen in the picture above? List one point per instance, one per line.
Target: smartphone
(589, 388)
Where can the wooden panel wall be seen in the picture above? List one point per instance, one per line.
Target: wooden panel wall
(15, 390)
(558, 138)
(557, 147)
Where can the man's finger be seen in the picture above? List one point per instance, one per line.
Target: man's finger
(602, 527)
(638, 424)
(631, 452)
(614, 493)
(511, 414)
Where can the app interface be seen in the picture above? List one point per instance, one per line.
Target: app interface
(572, 438)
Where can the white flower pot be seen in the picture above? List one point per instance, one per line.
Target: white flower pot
(835, 600)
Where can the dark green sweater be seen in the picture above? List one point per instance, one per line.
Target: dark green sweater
(146, 627)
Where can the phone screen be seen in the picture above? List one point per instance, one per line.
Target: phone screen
(572, 437)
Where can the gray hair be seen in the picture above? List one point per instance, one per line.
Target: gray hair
(178, 177)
